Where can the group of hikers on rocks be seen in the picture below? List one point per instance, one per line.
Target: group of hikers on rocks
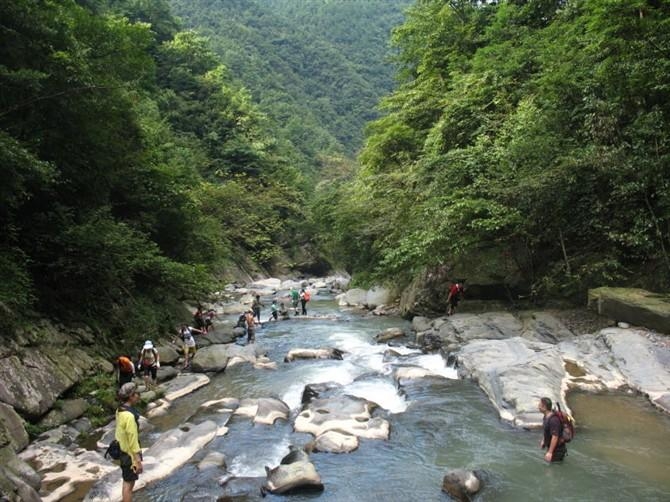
(557, 427)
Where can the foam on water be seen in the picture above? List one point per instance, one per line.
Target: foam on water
(252, 465)
(340, 372)
(382, 392)
(435, 363)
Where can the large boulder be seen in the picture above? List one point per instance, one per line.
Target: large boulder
(172, 450)
(345, 414)
(263, 410)
(461, 485)
(354, 297)
(335, 442)
(66, 411)
(32, 380)
(167, 354)
(12, 430)
(213, 358)
(295, 472)
(634, 306)
(544, 327)
(378, 295)
(515, 373)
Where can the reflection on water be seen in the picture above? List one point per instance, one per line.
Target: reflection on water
(621, 451)
(628, 431)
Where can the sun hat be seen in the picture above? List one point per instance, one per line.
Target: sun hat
(127, 390)
(148, 345)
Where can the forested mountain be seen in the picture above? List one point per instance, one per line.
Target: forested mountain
(531, 138)
(317, 68)
(133, 167)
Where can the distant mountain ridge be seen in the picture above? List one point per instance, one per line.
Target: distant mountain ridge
(317, 68)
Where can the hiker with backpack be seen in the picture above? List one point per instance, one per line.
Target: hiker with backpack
(125, 370)
(148, 363)
(295, 299)
(127, 434)
(557, 431)
(454, 296)
(304, 298)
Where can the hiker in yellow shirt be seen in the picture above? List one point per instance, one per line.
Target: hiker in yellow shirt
(128, 435)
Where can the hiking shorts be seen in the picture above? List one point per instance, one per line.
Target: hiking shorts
(127, 472)
(149, 370)
(188, 349)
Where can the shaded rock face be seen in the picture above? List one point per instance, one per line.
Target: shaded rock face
(12, 432)
(461, 484)
(68, 410)
(32, 382)
(295, 472)
(634, 306)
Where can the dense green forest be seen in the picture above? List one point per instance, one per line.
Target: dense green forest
(134, 168)
(530, 138)
(140, 160)
(318, 69)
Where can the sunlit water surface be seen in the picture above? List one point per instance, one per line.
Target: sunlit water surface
(622, 449)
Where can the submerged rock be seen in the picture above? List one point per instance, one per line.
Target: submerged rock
(461, 484)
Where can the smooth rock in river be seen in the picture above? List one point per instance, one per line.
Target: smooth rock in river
(335, 442)
(173, 449)
(461, 484)
(346, 414)
(389, 334)
(329, 353)
(295, 472)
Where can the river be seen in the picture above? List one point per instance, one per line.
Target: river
(621, 452)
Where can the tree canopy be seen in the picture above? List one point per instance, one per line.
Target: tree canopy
(532, 131)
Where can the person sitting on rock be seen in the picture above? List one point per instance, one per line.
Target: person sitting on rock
(283, 311)
(148, 363)
(125, 370)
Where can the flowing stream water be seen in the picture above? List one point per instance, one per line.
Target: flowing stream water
(621, 452)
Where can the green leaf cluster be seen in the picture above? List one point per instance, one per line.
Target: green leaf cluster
(134, 168)
(537, 130)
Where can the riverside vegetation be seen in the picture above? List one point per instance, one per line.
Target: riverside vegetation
(148, 159)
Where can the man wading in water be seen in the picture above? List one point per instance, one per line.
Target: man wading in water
(553, 430)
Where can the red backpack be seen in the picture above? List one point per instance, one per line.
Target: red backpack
(567, 424)
(306, 296)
